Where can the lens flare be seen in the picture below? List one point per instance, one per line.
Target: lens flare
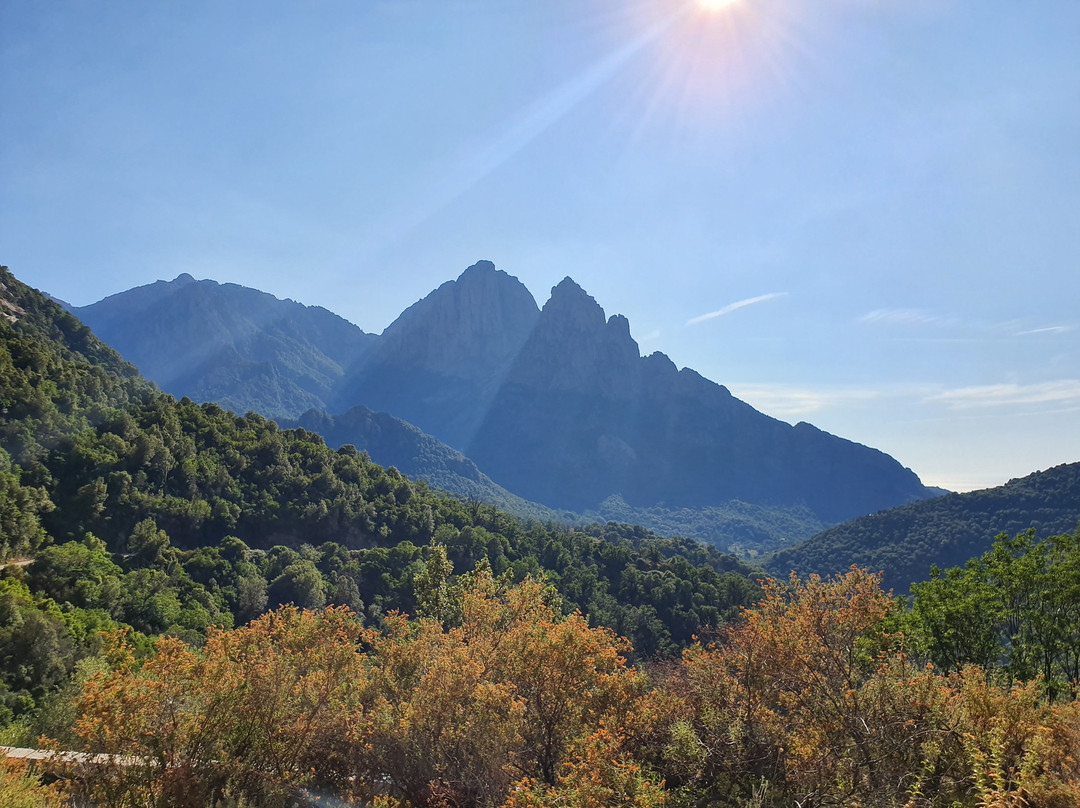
(715, 5)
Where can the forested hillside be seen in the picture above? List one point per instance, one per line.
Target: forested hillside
(397, 443)
(905, 542)
(168, 516)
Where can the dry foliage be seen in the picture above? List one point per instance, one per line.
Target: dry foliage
(806, 701)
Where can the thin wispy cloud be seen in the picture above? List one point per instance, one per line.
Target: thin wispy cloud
(655, 334)
(1063, 392)
(1053, 329)
(739, 304)
(899, 317)
(785, 401)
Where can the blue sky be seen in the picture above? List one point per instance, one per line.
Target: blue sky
(860, 213)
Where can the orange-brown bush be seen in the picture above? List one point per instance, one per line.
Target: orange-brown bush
(806, 700)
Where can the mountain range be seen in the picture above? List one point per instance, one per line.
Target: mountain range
(554, 404)
(168, 516)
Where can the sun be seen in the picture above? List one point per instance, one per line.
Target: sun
(715, 5)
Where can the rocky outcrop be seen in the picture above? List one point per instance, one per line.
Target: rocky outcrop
(9, 310)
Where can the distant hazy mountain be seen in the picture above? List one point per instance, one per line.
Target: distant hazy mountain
(905, 541)
(242, 348)
(556, 405)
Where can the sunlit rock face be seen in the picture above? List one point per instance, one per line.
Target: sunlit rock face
(442, 361)
(472, 327)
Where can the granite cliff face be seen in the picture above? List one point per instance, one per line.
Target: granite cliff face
(468, 328)
(441, 362)
(243, 348)
(575, 349)
(581, 416)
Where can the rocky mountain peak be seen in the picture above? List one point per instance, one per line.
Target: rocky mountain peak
(658, 369)
(460, 340)
(183, 279)
(466, 327)
(575, 348)
(480, 269)
(618, 326)
(573, 308)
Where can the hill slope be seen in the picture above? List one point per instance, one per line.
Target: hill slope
(393, 442)
(242, 348)
(946, 531)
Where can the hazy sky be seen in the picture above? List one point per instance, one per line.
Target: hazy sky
(860, 213)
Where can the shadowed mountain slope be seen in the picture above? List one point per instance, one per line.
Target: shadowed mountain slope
(563, 410)
(588, 417)
(242, 348)
(393, 442)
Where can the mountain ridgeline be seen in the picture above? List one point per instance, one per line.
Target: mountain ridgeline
(241, 348)
(555, 405)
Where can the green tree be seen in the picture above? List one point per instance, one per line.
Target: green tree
(434, 595)
(954, 618)
(300, 584)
